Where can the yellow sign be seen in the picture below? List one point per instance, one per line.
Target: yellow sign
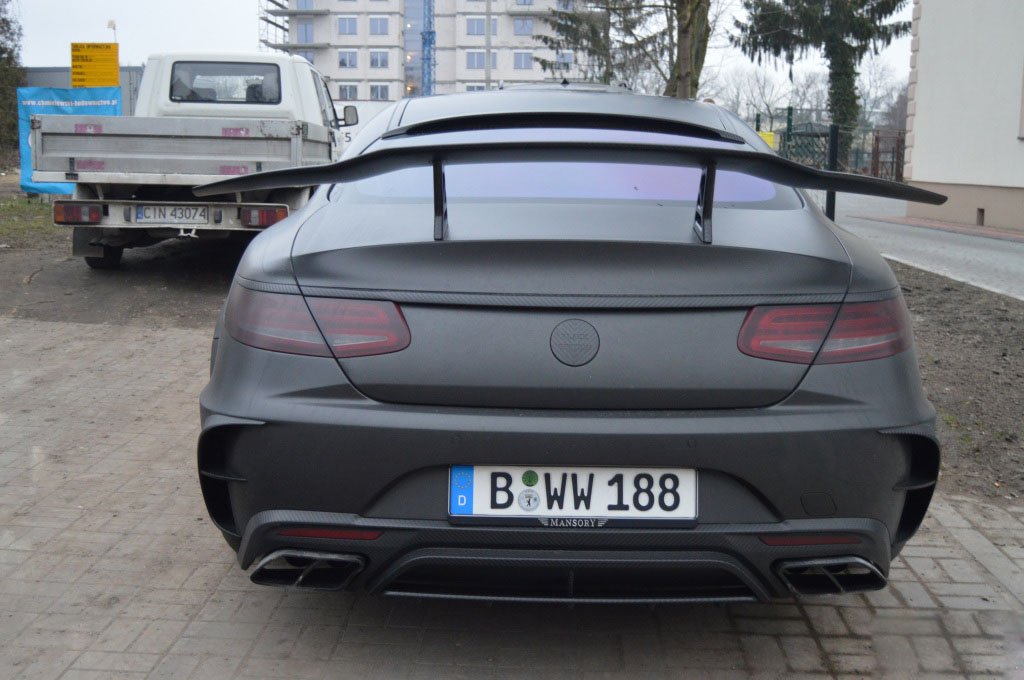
(94, 65)
(768, 137)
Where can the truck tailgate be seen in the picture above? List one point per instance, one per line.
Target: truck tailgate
(185, 151)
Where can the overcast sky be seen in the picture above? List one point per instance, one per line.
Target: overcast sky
(148, 26)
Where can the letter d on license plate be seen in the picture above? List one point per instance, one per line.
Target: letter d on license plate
(572, 492)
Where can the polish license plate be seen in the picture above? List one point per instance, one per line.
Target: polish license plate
(172, 214)
(559, 496)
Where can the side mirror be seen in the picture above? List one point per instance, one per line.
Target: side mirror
(349, 116)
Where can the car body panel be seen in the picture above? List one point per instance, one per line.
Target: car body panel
(844, 453)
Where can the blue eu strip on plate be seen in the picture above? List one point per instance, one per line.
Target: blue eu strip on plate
(460, 501)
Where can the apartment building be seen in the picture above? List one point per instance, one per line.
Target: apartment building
(372, 49)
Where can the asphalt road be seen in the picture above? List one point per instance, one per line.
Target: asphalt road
(988, 263)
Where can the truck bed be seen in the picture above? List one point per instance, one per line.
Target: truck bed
(181, 151)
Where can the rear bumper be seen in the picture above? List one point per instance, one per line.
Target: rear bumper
(417, 558)
(287, 442)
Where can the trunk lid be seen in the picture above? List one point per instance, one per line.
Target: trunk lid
(573, 324)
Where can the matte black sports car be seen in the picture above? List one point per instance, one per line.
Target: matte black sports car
(506, 353)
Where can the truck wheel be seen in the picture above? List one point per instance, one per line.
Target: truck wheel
(111, 258)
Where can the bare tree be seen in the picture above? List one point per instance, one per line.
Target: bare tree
(809, 96)
(765, 93)
(877, 89)
(895, 116)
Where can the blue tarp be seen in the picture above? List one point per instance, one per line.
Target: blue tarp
(92, 101)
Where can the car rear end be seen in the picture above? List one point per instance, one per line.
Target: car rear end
(568, 396)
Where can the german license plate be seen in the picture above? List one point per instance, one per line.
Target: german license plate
(172, 214)
(550, 493)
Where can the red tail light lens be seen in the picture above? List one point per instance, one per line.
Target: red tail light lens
(861, 331)
(283, 323)
(356, 328)
(280, 323)
(261, 217)
(786, 333)
(867, 330)
(77, 213)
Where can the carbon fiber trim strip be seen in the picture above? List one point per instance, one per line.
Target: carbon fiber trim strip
(263, 287)
(572, 301)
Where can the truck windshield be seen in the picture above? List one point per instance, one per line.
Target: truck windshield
(225, 82)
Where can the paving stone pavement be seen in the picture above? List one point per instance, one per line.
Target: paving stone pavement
(109, 567)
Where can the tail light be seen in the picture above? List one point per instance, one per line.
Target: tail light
(77, 213)
(261, 217)
(798, 334)
(357, 328)
(284, 323)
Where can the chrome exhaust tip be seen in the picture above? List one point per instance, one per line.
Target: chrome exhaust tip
(307, 569)
(830, 576)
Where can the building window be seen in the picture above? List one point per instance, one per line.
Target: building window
(522, 26)
(304, 4)
(523, 60)
(348, 59)
(475, 26)
(474, 88)
(304, 32)
(378, 25)
(348, 91)
(305, 54)
(347, 26)
(563, 61)
(379, 93)
(378, 59)
(563, 5)
(477, 60)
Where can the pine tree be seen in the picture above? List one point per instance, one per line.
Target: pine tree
(843, 30)
(629, 40)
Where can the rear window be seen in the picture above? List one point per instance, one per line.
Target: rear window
(222, 82)
(569, 182)
(546, 200)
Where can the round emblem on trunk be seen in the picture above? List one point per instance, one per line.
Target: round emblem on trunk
(574, 342)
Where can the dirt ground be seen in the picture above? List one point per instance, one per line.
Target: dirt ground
(970, 343)
(968, 339)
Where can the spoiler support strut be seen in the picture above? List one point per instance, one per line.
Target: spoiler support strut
(705, 202)
(440, 201)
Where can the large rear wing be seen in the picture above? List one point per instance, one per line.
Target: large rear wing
(394, 153)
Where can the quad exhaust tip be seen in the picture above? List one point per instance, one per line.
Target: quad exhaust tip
(307, 569)
(830, 576)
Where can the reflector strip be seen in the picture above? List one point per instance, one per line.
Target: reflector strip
(787, 541)
(344, 534)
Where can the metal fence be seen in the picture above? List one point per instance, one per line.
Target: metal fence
(887, 154)
(808, 148)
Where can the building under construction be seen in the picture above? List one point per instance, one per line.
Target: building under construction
(386, 49)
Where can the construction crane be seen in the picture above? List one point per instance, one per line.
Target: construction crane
(428, 35)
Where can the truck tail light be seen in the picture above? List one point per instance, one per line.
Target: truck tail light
(261, 217)
(77, 213)
(858, 332)
(284, 323)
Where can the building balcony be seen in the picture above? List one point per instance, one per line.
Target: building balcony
(538, 10)
(290, 47)
(298, 12)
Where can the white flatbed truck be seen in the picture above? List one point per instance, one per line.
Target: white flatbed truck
(200, 117)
